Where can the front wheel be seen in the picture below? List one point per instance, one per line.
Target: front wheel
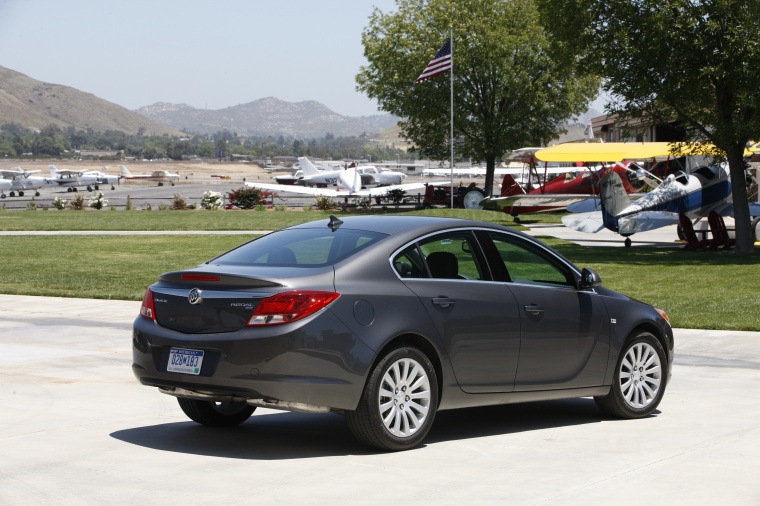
(399, 402)
(640, 377)
(756, 229)
(216, 414)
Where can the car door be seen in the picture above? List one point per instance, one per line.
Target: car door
(564, 330)
(476, 317)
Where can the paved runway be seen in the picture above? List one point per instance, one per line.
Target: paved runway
(77, 429)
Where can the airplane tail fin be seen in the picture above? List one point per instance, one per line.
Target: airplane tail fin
(614, 199)
(509, 187)
(53, 170)
(124, 171)
(307, 167)
(350, 180)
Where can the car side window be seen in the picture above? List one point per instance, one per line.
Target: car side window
(527, 265)
(444, 256)
(452, 256)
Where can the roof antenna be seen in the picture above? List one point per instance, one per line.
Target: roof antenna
(334, 223)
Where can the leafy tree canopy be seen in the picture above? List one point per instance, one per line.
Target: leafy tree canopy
(510, 91)
(696, 62)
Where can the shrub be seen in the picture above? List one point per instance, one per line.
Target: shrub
(178, 203)
(246, 198)
(212, 200)
(97, 201)
(60, 203)
(31, 206)
(77, 202)
(324, 203)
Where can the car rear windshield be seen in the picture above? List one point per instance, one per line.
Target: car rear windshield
(307, 247)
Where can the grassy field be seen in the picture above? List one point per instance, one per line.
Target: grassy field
(711, 290)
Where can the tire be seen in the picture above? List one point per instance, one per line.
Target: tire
(679, 232)
(398, 405)
(471, 199)
(640, 377)
(216, 414)
(756, 229)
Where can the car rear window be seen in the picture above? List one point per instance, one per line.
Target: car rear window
(307, 247)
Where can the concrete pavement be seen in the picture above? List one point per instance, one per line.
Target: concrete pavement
(77, 429)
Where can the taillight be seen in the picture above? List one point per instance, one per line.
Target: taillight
(200, 277)
(148, 309)
(288, 307)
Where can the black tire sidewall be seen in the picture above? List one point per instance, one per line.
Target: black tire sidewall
(626, 410)
(377, 434)
(209, 414)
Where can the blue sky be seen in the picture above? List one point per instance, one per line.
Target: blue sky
(206, 54)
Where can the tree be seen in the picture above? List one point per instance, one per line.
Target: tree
(696, 62)
(509, 90)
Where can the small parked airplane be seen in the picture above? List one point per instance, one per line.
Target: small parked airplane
(369, 174)
(577, 184)
(17, 181)
(72, 179)
(162, 176)
(349, 183)
(693, 195)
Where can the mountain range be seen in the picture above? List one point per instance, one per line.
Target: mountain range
(267, 116)
(35, 104)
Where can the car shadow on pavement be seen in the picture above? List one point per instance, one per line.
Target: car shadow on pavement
(286, 435)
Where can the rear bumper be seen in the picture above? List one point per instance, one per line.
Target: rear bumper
(315, 363)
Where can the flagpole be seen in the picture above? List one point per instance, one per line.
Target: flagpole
(451, 112)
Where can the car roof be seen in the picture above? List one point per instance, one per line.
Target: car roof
(403, 225)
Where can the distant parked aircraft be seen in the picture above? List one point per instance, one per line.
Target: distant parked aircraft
(162, 176)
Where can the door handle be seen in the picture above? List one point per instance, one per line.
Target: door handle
(534, 310)
(443, 301)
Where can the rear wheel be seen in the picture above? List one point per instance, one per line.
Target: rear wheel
(399, 402)
(216, 414)
(639, 382)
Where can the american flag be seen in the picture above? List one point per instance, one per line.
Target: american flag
(440, 64)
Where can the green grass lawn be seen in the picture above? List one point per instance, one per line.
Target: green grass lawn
(710, 290)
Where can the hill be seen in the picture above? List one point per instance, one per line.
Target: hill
(266, 117)
(35, 104)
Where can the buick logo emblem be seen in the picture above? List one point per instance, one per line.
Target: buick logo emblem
(194, 297)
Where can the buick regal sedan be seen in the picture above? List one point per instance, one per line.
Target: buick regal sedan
(388, 319)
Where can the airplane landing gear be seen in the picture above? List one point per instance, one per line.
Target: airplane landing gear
(12, 193)
(36, 194)
(627, 242)
(20, 193)
(113, 187)
(160, 183)
(89, 188)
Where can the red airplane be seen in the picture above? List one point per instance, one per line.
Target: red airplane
(574, 186)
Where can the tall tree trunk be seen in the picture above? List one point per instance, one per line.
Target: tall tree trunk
(745, 242)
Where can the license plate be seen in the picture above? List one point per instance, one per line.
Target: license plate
(185, 361)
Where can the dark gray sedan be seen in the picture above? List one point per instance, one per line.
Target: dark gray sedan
(388, 319)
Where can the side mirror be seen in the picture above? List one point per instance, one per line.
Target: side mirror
(589, 279)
